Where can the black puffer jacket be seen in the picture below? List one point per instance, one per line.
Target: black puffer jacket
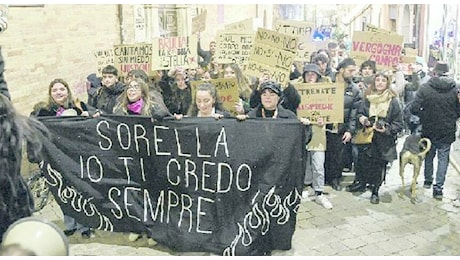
(437, 105)
(352, 101)
(106, 98)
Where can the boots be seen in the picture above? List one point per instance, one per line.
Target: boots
(375, 194)
(356, 186)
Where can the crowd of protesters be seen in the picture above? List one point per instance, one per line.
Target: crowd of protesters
(391, 102)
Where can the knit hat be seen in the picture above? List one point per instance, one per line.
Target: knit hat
(311, 68)
(345, 63)
(273, 86)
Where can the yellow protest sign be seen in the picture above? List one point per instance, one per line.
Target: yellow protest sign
(274, 53)
(407, 59)
(321, 100)
(374, 29)
(227, 90)
(303, 31)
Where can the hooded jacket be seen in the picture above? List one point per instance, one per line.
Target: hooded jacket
(437, 105)
(106, 98)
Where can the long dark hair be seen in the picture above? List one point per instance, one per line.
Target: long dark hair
(218, 105)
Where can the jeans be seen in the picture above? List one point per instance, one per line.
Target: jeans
(314, 172)
(443, 151)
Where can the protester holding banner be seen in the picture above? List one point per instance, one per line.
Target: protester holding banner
(269, 106)
(337, 135)
(314, 173)
(380, 109)
(178, 95)
(207, 103)
(106, 97)
(154, 89)
(290, 98)
(61, 103)
(232, 70)
(136, 100)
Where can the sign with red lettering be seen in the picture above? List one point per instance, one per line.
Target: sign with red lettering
(132, 56)
(323, 100)
(382, 48)
(172, 52)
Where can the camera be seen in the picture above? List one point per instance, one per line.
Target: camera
(380, 124)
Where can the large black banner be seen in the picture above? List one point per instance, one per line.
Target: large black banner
(197, 184)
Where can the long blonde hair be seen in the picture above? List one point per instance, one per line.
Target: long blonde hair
(123, 101)
(244, 88)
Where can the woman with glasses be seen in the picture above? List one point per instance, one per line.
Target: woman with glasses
(135, 100)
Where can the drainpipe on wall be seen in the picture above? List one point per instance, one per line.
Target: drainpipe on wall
(120, 20)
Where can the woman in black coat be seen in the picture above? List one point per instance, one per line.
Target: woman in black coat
(380, 110)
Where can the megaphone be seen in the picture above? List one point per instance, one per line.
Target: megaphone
(40, 236)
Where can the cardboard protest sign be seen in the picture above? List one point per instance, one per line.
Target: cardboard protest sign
(132, 56)
(407, 59)
(247, 25)
(274, 53)
(199, 22)
(104, 58)
(227, 89)
(384, 49)
(303, 31)
(321, 100)
(374, 29)
(233, 47)
(172, 52)
(192, 185)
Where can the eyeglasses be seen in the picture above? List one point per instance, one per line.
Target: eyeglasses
(134, 87)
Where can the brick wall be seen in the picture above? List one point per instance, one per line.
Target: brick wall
(54, 41)
(58, 41)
